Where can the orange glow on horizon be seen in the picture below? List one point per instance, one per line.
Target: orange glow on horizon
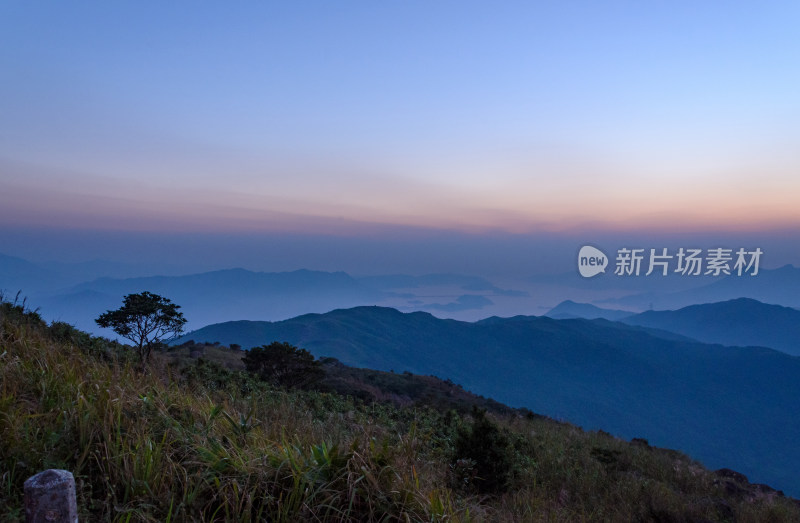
(556, 205)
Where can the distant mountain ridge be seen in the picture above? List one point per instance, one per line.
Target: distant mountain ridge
(230, 294)
(778, 286)
(569, 309)
(725, 405)
(467, 283)
(741, 322)
(63, 293)
(17, 274)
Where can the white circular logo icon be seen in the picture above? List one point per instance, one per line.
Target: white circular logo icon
(591, 261)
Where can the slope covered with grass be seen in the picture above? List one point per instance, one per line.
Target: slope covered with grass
(210, 444)
(726, 406)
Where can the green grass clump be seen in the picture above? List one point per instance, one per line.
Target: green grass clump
(198, 441)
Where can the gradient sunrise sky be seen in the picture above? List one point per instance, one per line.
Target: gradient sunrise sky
(336, 117)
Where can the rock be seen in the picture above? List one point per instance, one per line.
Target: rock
(50, 497)
(732, 474)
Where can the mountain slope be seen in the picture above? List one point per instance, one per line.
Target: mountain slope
(727, 406)
(740, 322)
(193, 441)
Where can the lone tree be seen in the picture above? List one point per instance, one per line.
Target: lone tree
(146, 319)
(283, 364)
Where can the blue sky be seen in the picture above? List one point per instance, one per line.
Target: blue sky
(348, 118)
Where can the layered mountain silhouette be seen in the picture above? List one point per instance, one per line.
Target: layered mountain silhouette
(62, 292)
(219, 295)
(467, 283)
(729, 406)
(569, 309)
(743, 322)
(18, 274)
(779, 286)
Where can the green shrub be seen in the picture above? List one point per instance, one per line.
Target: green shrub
(483, 456)
(283, 364)
(212, 376)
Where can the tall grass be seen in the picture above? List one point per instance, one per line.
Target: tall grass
(214, 445)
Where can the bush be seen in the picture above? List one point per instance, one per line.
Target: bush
(213, 376)
(283, 364)
(483, 455)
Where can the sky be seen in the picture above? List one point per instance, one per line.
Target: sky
(399, 131)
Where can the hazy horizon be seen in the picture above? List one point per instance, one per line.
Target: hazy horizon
(398, 251)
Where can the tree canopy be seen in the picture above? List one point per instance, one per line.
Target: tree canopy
(146, 319)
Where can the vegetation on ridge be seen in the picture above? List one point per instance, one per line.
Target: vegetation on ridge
(207, 443)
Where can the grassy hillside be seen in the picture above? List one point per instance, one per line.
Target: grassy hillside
(200, 442)
(726, 406)
(399, 389)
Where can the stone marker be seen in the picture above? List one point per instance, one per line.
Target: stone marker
(50, 497)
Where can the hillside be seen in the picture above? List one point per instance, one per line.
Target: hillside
(727, 406)
(739, 322)
(400, 389)
(208, 443)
